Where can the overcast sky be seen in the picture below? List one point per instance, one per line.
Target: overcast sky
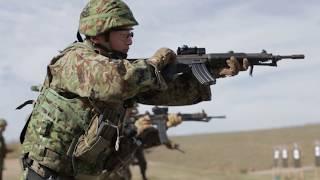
(33, 31)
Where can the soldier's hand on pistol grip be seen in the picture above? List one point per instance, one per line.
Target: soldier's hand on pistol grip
(173, 120)
(143, 123)
(162, 57)
(234, 67)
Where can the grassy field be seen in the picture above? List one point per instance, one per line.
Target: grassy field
(223, 156)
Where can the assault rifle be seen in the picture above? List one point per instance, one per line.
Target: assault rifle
(195, 60)
(158, 118)
(160, 115)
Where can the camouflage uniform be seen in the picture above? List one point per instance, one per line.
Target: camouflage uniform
(150, 138)
(3, 148)
(76, 126)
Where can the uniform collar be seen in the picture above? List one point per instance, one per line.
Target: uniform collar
(105, 51)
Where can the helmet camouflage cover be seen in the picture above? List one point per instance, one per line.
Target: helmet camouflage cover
(99, 16)
(3, 122)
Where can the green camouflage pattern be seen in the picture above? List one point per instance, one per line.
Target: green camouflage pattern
(3, 122)
(92, 80)
(55, 122)
(84, 72)
(99, 16)
(3, 147)
(185, 90)
(3, 151)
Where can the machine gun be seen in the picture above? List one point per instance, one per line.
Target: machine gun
(195, 60)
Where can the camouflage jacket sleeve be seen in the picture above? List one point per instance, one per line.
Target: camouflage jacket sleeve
(185, 90)
(84, 72)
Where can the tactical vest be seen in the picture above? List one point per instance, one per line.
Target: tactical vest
(71, 135)
(56, 123)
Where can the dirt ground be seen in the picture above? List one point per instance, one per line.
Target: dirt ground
(156, 171)
(12, 169)
(212, 156)
(167, 171)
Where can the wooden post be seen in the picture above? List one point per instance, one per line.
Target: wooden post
(276, 164)
(284, 157)
(296, 156)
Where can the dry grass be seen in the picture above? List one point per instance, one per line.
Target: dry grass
(224, 156)
(238, 152)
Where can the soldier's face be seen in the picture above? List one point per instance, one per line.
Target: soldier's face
(120, 40)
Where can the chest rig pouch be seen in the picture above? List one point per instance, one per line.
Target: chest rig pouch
(56, 124)
(100, 141)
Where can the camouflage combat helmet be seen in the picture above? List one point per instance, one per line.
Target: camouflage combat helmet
(3, 122)
(99, 16)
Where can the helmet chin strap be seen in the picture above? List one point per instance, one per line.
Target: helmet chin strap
(107, 51)
(118, 55)
(104, 49)
(79, 37)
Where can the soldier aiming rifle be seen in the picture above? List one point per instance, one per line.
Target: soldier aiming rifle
(162, 120)
(194, 60)
(77, 122)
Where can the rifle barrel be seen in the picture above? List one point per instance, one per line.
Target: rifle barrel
(295, 56)
(218, 117)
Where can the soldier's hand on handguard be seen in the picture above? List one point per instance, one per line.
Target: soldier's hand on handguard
(171, 145)
(162, 57)
(143, 123)
(233, 69)
(173, 120)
